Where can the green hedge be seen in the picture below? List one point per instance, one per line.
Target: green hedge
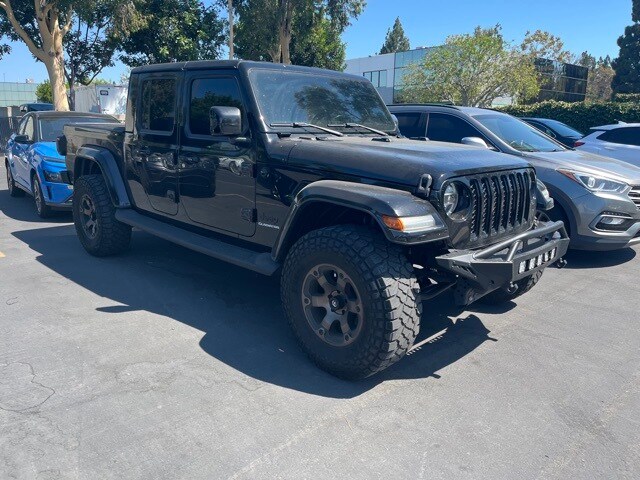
(627, 97)
(579, 115)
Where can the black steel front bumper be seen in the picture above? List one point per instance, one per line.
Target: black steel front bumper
(509, 261)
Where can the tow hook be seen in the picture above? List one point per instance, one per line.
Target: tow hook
(561, 263)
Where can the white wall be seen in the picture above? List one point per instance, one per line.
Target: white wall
(357, 66)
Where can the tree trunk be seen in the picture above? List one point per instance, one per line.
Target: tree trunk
(55, 69)
(284, 30)
(230, 11)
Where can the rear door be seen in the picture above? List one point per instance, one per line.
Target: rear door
(153, 148)
(217, 183)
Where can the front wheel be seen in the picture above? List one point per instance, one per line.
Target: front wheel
(511, 292)
(42, 209)
(351, 298)
(94, 218)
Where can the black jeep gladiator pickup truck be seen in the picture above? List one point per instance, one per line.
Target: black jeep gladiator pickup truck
(301, 171)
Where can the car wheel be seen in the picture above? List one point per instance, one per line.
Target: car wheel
(94, 218)
(14, 190)
(509, 293)
(42, 209)
(351, 298)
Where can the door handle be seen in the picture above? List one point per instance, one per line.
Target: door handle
(188, 160)
(144, 151)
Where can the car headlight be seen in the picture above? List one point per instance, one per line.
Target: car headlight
(450, 198)
(595, 183)
(52, 176)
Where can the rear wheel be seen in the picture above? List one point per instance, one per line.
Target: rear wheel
(14, 190)
(94, 218)
(351, 299)
(42, 209)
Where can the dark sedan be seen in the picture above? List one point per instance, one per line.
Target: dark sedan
(559, 131)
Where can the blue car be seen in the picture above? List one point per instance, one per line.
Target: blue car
(33, 163)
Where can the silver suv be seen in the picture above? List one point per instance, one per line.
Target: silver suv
(597, 197)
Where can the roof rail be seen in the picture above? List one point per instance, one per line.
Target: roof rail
(429, 104)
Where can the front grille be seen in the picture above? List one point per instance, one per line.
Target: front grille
(500, 204)
(634, 194)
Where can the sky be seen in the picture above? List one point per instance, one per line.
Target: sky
(588, 25)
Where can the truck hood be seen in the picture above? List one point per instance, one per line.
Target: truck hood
(398, 160)
(586, 162)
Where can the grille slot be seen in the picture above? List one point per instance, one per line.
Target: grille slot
(634, 194)
(501, 203)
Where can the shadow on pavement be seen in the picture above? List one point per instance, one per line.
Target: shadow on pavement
(23, 209)
(239, 311)
(580, 259)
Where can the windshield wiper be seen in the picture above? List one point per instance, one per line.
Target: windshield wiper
(306, 125)
(357, 125)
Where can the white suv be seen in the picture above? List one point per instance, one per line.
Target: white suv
(620, 141)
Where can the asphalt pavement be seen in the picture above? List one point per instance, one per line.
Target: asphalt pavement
(163, 364)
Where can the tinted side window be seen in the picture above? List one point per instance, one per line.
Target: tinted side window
(447, 128)
(28, 128)
(158, 107)
(211, 92)
(410, 125)
(626, 136)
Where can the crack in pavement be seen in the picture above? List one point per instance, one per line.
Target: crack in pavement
(10, 389)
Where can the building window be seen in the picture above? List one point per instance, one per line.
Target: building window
(377, 77)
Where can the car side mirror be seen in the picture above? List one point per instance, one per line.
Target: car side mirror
(225, 121)
(61, 145)
(23, 139)
(475, 142)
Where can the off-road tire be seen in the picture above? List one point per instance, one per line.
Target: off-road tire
(111, 236)
(502, 295)
(389, 295)
(14, 190)
(42, 209)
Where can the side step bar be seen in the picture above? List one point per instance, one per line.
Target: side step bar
(242, 257)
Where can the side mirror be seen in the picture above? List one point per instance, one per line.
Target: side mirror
(475, 142)
(61, 145)
(23, 139)
(225, 121)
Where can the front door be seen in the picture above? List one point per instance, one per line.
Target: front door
(19, 153)
(154, 149)
(217, 184)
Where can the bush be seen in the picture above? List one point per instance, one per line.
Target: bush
(627, 97)
(579, 115)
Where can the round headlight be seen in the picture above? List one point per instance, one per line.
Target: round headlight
(450, 199)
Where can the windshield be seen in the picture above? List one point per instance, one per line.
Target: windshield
(518, 134)
(51, 128)
(294, 97)
(563, 129)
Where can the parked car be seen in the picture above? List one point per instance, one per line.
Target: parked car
(597, 197)
(300, 170)
(36, 107)
(621, 141)
(561, 132)
(33, 164)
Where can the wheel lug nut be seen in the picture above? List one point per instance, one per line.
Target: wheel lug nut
(306, 301)
(346, 338)
(321, 332)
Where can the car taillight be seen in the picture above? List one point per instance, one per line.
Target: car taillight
(578, 143)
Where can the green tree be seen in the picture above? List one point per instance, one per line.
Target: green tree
(41, 25)
(316, 43)
(172, 30)
(44, 92)
(627, 65)
(472, 70)
(541, 44)
(266, 28)
(396, 40)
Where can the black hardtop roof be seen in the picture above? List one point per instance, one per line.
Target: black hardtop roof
(231, 64)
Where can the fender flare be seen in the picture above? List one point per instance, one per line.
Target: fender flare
(373, 200)
(110, 171)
